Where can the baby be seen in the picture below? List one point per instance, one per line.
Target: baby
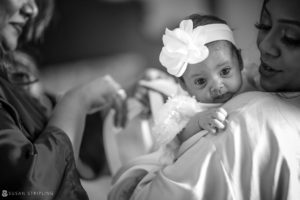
(203, 56)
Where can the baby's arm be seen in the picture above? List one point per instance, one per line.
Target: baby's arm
(211, 120)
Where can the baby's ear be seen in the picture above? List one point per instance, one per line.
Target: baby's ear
(182, 83)
(240, 59)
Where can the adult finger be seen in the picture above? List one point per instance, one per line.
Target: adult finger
(120, 106)
(112, 82)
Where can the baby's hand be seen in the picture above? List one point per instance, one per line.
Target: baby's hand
(212, 120)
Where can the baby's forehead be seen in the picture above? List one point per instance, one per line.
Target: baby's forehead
(221, 51)
(200, 69)
(219, 45)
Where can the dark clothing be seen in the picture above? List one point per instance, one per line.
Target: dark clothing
(36, 162)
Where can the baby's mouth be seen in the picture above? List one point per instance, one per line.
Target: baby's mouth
(222, 98)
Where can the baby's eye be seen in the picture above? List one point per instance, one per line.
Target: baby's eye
(225, 71)
(200, 81)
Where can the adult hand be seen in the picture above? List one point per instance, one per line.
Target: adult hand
(70, 112)
(105, 92)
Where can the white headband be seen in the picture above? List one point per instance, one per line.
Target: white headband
(185, 45)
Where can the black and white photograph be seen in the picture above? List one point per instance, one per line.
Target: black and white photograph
(149, 99)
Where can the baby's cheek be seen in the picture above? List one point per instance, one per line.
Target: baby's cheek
(236, 85)
(204, 97)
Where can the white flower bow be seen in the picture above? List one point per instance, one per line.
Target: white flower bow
(183, 46)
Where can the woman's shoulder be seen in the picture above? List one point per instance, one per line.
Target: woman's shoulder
(252, 98)
(263, 105)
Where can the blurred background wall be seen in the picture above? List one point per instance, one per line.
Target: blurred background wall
(88, 38)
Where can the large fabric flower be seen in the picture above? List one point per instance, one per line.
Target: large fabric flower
(183, 46)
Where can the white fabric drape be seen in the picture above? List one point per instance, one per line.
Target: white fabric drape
(256, 157)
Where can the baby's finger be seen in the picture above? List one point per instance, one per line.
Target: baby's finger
(223, 111)
(210, 128)
(217, 124)
(219, 116)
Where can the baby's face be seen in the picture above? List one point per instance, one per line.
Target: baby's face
(216, 79)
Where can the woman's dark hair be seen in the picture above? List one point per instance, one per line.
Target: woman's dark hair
(263, 7)
(201, 20)
(36, 26)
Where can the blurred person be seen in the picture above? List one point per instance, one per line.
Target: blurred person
(25, 74)
(38, 153)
